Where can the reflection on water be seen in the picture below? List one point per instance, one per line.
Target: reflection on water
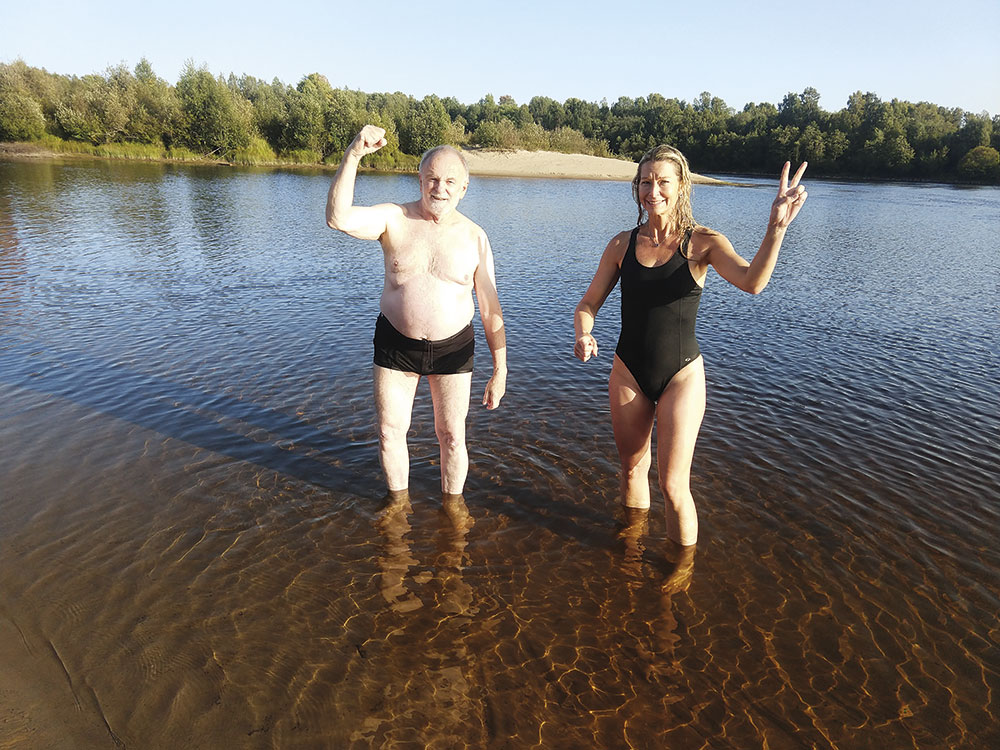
(196, 549)
(454, 596)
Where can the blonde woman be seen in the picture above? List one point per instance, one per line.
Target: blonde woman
(658, 373)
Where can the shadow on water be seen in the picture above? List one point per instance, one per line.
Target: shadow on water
(273, 439)
(207, 420)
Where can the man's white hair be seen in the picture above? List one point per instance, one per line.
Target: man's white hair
(432, 152)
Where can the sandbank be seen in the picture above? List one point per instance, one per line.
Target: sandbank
(552, 164)
(484, 162)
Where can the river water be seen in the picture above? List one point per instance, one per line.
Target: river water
(195, 552)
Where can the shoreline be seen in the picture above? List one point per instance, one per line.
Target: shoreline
(482, 163)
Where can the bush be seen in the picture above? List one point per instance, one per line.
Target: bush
(257, 152)
(134, 151)
(532, 137)
(568, 141)
(21, 118)
(981, 164)
(303, 156)
(496, 134)
(180, 153)
(391, 161)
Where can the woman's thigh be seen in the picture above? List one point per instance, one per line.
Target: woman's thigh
(631, 415)
(679, 414)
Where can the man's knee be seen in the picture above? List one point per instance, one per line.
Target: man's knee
(390, 433)
(450, 437)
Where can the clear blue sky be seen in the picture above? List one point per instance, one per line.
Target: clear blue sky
(947, 53)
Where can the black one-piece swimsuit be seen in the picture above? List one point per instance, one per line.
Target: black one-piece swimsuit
(659, 307)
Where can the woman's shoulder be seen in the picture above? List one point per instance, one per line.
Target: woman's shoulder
(706, 237)
(703, 239)
(619, 243)
(704, 233)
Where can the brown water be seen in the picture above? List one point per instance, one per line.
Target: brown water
(195, 551)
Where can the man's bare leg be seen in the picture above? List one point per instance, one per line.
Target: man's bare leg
(394, 391)
(450, 394)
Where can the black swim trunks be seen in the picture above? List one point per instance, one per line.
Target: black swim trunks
(448, 356)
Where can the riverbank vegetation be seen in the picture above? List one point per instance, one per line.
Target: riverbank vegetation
(135, 114)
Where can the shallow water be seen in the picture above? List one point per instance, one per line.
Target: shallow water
(195, 552)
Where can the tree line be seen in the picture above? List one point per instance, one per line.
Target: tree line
(247, 120)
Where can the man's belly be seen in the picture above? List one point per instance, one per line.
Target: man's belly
(434, 310)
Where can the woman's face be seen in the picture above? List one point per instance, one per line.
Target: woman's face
(659, 186)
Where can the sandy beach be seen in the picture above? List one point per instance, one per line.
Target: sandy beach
(552, 164)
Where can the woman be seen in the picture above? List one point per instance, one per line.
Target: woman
(658, 373)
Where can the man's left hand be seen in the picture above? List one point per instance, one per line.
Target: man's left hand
(495, 389)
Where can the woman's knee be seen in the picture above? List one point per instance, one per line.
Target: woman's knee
(676, 489)
(635, 468)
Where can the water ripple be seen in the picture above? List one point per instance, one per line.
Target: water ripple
(190, 479)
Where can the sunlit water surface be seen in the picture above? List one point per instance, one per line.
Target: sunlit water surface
(193, 544)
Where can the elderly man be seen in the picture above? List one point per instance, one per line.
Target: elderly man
(434, 259)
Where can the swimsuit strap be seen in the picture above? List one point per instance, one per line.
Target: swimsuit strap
(682, 248)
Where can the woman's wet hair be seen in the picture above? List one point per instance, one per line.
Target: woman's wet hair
(682, 219)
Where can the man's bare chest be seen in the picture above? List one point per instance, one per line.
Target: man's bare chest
(445, 256)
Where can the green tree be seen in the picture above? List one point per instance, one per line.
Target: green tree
(976, 130)
(533, 137)
(270, 107)
(425, 126)
(581, 116)
(45, 88)
(305, 124)
(812, 145)
(887, 152)
(800, 110)
(154, 113)
(547, 112)
(784, 144)
(836, 144)
(345, 117)
(215, 119)
(96, 108)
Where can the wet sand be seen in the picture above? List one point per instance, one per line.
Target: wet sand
(38, 706)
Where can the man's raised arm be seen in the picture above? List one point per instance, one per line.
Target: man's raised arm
(365, 223)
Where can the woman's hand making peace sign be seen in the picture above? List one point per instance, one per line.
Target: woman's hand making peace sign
(791, 196)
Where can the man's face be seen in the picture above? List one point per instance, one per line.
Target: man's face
(443, 183)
